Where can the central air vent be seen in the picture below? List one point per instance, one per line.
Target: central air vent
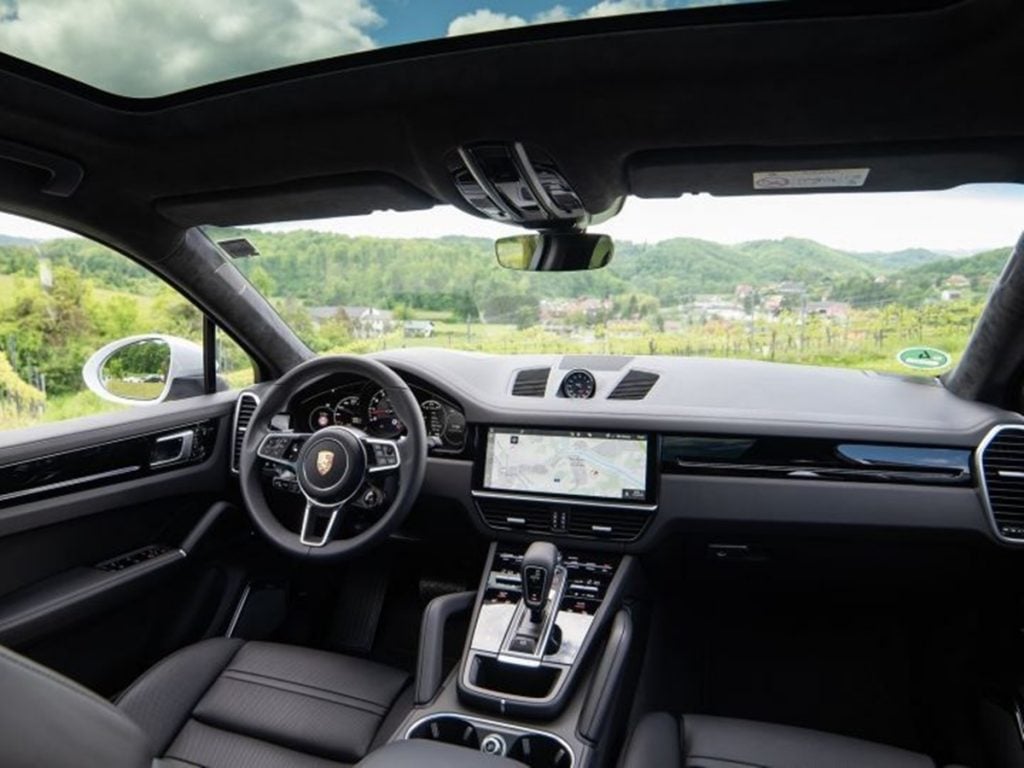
(533, 382)
(244, 409)
(517, 517)
(634, 386)
(1002, 472)
(612, 524)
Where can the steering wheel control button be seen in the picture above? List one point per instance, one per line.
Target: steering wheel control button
(493, 744)
(384, 455)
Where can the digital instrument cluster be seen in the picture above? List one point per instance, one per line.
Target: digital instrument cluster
(366, 407)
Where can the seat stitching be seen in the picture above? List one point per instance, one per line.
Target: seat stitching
(311, 687)
(200, 721)
(378, 711)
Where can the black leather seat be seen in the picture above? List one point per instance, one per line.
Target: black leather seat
(700, 741)
(218, 704)
(224, 703)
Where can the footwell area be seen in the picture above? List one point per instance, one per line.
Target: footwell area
(905, 662)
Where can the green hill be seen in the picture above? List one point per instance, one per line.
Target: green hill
(896, 260)
(458, 274)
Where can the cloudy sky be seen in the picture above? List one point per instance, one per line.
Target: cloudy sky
(154, 47)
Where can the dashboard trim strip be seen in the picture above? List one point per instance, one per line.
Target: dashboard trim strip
(498, 496)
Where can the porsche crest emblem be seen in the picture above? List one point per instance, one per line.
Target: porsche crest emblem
(324, 462)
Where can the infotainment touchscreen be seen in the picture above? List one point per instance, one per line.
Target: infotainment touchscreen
(603, 465)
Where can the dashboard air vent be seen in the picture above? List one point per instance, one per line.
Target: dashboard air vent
(517, 518)
(532, 382)
(1002, 472)
(612, 524)
(244, 409)
(634, 386)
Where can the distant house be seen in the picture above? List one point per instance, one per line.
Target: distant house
(835, 310)
(418, 329)
(369, 322)
(950, 295)
(957, 281)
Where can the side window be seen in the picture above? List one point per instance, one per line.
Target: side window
(69, 309)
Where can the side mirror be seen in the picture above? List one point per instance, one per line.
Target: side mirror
(145, 370)
(554, 252)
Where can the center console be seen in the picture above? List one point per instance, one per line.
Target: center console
(550, 640)
(521, 660)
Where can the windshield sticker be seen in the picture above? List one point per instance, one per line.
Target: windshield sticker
(816, 179)
(924, 358)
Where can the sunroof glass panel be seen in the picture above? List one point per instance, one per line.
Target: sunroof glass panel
(145, 48)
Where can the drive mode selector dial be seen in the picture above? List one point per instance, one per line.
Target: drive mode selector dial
(493, 744)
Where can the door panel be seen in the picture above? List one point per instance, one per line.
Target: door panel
(104, 534)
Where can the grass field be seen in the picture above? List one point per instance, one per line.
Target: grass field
(867, 339)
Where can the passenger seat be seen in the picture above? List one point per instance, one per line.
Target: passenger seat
(662, 740)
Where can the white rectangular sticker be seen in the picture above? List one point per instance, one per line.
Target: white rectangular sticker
(820, 179)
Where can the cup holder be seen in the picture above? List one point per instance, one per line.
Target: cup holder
(537, 750)
(540, 751)
(450, 730)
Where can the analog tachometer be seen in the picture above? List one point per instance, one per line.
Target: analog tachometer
(381, 420)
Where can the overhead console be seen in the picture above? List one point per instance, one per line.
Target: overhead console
(590, 484)
(507, 182)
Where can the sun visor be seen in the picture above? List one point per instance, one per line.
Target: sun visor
(321, 198)
(668, 173)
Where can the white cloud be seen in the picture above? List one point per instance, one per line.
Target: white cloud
(486, 20)
(551, 15)
(150, 47)
(483, 20)
(620, 7)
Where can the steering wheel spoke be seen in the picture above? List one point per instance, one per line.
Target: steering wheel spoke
(383, 455)
(318, 523)
(282, 448)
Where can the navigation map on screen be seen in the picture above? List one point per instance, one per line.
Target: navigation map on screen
(601, 465)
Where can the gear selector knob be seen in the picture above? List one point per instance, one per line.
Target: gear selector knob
(538, 569)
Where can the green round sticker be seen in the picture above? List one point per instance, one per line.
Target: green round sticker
(923, 358)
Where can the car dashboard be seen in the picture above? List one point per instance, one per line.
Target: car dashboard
(713, 443)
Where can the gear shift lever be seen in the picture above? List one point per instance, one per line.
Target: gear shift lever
(538, 569)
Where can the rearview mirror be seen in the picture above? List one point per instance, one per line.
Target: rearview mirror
(554, 252)
(145, 370)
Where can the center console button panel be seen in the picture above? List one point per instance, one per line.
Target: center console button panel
(526, 655)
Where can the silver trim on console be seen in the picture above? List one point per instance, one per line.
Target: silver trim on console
(575, 501)
(979, 463)
(238, 611)
(234, 428)
(497, 725)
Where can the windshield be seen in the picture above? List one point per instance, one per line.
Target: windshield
(889, 282)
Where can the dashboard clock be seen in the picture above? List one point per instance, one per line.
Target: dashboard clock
(578, 385)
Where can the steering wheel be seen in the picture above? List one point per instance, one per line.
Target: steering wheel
(332, 464)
